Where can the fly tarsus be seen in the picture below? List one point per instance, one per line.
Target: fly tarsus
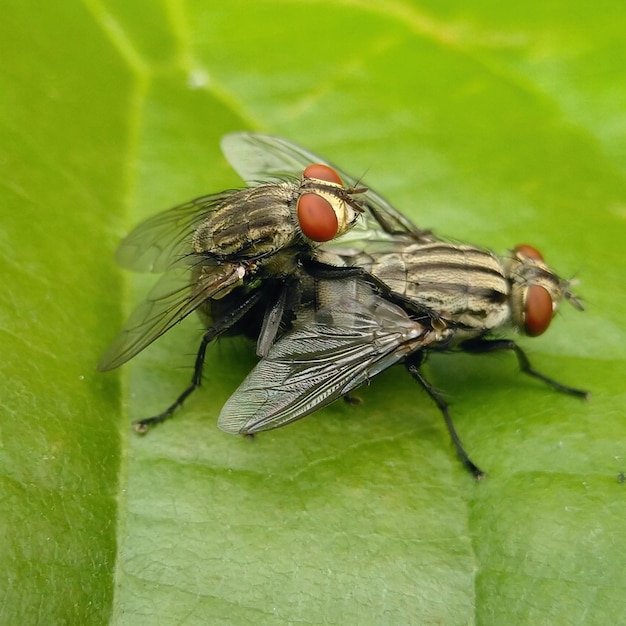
(142, 426)
(482, 346)
(352, 400)
(413, 367)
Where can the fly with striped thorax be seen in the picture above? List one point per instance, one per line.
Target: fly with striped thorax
(240, 257)
(419, 295)
(380, 292)
(441, 297)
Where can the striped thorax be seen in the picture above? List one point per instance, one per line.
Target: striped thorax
(260, 220)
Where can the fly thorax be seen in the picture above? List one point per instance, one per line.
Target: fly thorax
(283, 263)
(249, 223)
(536, 291)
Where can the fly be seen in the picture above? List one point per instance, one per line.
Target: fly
(451, 296)
(241, 253)
(213, 244)
(256, 156)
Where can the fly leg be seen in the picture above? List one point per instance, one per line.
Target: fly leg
(215, 331)
(482, 346)
(413, 364)
(408, 231)
(319, 269)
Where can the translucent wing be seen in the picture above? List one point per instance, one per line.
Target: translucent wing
(256, 156)
(310, 367)
(165, 238)
(175, 295)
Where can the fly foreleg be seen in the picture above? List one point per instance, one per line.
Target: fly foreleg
(413, 364)
(212, 333)
(482, 346)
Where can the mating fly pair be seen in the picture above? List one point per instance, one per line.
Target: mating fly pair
(363, 287)
(242, 258)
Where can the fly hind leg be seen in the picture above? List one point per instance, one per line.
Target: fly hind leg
(413, 364)
(215, 331)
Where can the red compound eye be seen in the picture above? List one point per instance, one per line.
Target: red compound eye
(317, 218)
(538, 311)
(529, 252)
(322, 172)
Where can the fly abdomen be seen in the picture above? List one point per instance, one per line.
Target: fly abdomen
(461, 283)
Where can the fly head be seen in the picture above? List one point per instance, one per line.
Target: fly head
(536, 291)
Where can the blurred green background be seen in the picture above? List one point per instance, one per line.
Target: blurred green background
(491, 123)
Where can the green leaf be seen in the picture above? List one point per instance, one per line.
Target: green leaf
(491, 123)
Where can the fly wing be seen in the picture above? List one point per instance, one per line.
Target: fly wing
(165, 239)
(310, 367)
(256, 156)
(259, 157)
(177, 294)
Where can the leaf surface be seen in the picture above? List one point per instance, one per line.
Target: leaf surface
(491, 123)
